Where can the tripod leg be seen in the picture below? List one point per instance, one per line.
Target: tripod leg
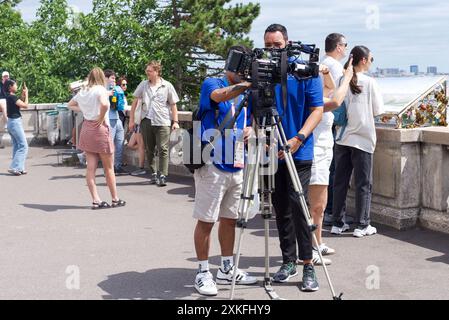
(298, 188)
(267, 213)
(247, 195)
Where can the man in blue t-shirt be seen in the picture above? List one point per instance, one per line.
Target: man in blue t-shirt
(116, 100)
(219, 184)
(302, 114)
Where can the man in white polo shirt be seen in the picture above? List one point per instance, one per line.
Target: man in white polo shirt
(335, 46)
(159, 100)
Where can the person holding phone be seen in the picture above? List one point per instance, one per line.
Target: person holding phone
(15, 126)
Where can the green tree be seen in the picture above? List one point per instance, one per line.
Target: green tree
(197, 36)
(190, 37)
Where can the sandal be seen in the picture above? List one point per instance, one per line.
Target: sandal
(118, 203)
(101, 205)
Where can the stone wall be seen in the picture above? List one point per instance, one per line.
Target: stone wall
(410, 183)
(34, 123)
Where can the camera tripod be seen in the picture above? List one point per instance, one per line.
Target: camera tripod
(269, 124)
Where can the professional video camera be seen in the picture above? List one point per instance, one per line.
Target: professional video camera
(269, 66)
(274, 64)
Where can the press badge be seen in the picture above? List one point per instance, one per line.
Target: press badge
(239, 147)
(239, 154)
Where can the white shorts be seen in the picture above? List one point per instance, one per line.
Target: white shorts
(322, 158)
(217, 194)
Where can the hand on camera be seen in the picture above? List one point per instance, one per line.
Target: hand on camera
(324, 69)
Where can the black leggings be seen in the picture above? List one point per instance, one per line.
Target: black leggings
(291, 223)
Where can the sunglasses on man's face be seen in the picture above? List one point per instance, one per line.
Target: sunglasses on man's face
(124, 84)
(345, 44)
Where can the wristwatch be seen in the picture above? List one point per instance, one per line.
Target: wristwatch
(300, 137)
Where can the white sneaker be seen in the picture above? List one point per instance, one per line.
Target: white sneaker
(205, 284)
(241, 277)
(316, 259)
(337, 230)
(368, 231)
(325, 250)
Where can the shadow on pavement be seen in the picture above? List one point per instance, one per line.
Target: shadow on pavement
(423, 238)
(167, 283)
(125, 184)
(164, 284)
(52, 207)
(73, 176)
(188, 191)
(188, 181)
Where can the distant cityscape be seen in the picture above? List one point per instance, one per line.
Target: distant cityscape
(412, 72)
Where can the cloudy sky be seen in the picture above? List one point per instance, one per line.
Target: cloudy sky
(400, 33)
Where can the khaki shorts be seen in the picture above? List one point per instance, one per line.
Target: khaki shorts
(217, 194)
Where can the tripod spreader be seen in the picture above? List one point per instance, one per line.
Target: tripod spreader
(242, 223)
(339, 297)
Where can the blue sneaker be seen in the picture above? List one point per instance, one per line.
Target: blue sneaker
(309, 282)
(286, 271)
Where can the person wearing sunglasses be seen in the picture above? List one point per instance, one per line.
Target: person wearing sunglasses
(335, 47)
(354, 150)
(123, 84)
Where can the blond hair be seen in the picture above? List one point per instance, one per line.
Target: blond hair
(156, 65)
(96, 77)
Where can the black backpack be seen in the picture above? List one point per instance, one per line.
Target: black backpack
(191, 144)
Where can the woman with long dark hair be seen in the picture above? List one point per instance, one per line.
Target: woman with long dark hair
(354, 150)
(15, 126)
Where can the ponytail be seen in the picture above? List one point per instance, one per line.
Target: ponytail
(358, 53)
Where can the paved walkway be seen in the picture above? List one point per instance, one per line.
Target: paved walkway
(145, 250)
